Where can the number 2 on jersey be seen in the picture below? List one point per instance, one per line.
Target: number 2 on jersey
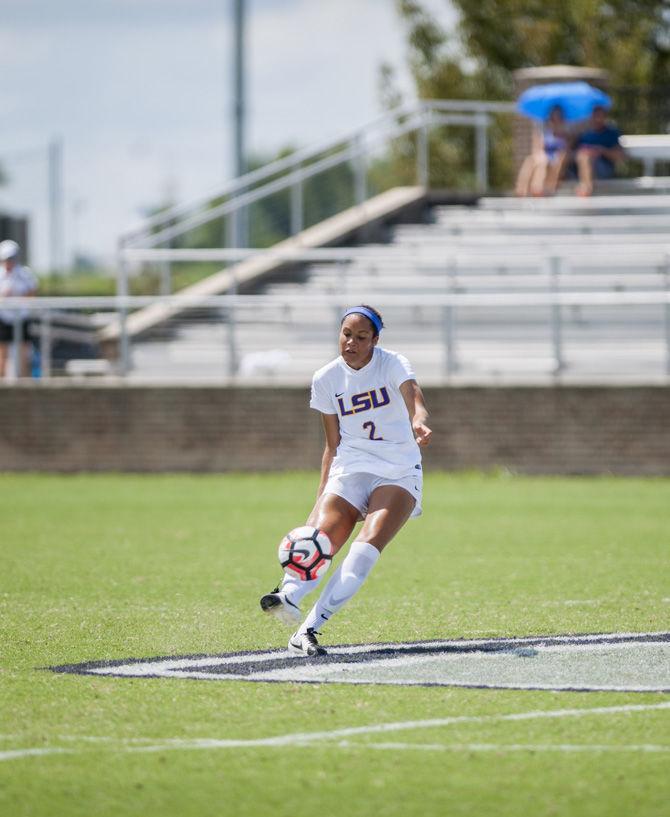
(372, 428)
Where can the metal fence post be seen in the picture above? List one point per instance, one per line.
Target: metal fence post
(297, 202)
(17, 345)
(122, 292)
(482, 151)
(667, 313)
(449, 324)
(338, 311)
(342, 268)
(237, 226)
(232, 338)
(450, 363)
(555, 269)
(166, 274)
(232, 228)
(422, 148)
(242, 223)
(124, 345)
(45, 342)
(360, 169)
(121, 271)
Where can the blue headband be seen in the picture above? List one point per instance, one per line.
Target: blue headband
(368, 313)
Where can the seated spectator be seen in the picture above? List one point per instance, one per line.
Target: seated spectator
(16, 281)
(597, 152)
(541, 172)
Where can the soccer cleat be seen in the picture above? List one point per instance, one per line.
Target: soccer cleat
(305, 644)
(276, 604)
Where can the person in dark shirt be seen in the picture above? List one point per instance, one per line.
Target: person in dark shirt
(597, 152)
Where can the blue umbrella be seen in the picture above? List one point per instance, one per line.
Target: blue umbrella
(577, 99)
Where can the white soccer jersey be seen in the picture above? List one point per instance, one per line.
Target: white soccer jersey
(376, 431)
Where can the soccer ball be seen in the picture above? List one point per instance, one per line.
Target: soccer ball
(305, 552)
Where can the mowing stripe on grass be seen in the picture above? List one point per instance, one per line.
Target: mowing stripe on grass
(507, 747)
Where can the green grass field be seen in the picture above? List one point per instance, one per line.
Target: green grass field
(114, 567)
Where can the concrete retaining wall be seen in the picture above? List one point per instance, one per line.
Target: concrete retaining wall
(548, 430)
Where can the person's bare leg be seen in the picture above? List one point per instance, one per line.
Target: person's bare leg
(584, 173)
(4, 354)
(336, 518)
(388, 509)
(24, 359)
(522, 187)
(555, 173)
(538, 179)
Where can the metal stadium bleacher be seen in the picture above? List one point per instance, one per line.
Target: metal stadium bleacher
(506, 289)
(502, 289)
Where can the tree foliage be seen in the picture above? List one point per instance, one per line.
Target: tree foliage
(269, 219)
(628, 38)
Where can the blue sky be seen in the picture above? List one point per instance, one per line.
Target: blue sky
(140, 93)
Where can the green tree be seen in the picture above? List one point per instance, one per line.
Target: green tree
(324, 194)
(269, 220)
(493, 38)
(628, 38)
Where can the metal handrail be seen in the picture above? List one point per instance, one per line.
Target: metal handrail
(297, 176)
(47, 310)
(472, 105)
(659, 250)
(423, 114)
(270, 169)
(503, 299)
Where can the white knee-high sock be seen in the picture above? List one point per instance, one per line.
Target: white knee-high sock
(343, 584)
(295, 589)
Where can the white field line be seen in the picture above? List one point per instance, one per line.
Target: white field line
(14, 754)
(309, 738)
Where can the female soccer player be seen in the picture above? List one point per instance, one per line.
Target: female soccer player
(374, 420)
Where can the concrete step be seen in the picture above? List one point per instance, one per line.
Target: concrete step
(625, 228)
(605, 205)
(501, 247)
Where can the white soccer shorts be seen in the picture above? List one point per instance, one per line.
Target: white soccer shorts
(357, 488)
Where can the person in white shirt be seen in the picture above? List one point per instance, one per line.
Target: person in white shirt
(374, 420)
(16, 281)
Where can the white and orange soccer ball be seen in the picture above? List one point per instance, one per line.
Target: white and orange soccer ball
(305, 552)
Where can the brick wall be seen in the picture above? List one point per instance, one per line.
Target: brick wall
(561, 429)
